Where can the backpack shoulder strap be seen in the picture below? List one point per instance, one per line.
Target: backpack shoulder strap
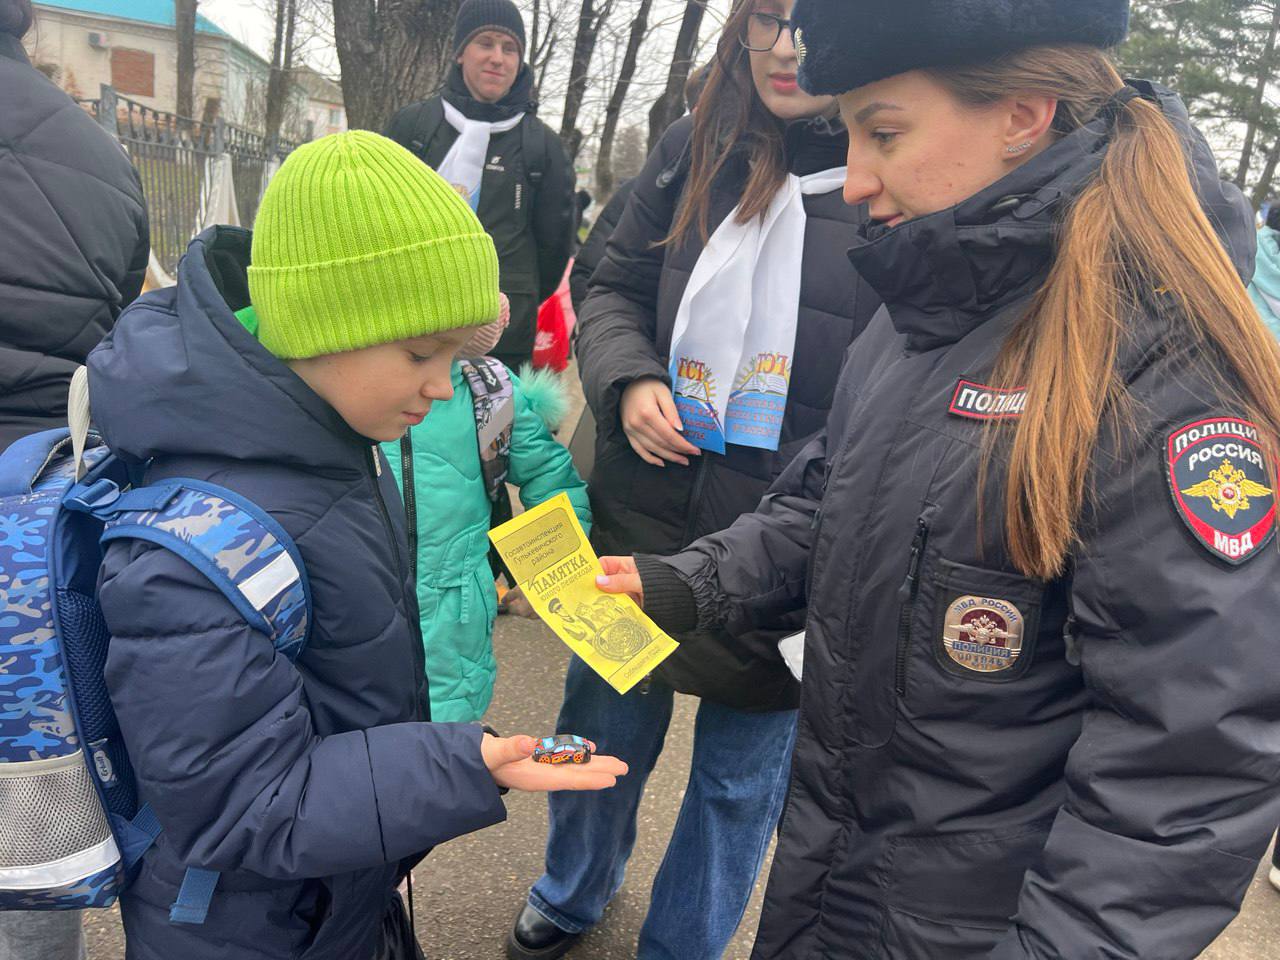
(533, 144)
(430, 118)
(243, 551)
(493, 402)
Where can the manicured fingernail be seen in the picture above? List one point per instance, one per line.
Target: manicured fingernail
(602, 581)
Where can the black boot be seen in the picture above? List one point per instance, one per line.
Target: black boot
(534, 937)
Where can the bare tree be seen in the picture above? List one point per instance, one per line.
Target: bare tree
(590, 18)
(547, 18)
(1266, 70)
(184, 18)
(391, 52)
(670, 105)
(280, 79)
(605, 181)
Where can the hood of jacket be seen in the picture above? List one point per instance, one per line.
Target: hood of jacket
(519, 99)
(944, 274)
(179, 375)
(1265, 288)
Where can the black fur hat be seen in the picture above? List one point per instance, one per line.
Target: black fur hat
(843, 44)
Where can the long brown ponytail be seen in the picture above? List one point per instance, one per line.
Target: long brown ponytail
(1137, 227)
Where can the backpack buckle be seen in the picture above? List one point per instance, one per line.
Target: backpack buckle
(98, 495)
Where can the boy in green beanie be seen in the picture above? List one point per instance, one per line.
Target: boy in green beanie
(310, 786)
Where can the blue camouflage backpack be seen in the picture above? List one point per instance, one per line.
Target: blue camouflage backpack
(73, 831)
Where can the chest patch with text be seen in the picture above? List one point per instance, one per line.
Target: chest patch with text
(983, 634)
(977, 401)
(1218, 480)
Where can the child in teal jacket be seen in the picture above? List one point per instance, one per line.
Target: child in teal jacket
(457, 600)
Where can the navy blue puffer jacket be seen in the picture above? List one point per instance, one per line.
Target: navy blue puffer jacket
(305, 784)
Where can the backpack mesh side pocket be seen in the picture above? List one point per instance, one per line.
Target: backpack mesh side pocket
(60, 815)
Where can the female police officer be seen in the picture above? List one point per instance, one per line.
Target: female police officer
(1039, 715)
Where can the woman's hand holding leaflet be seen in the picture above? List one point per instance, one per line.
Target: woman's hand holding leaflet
(620, 576)
(652, 424)
(510, 761)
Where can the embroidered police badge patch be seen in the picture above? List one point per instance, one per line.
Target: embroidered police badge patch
(983, 634)
(1218, 481)
(977, 401)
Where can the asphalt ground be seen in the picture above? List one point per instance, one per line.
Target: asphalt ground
(467, 892)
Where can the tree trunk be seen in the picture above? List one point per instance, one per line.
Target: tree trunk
(670, 105)
(184, 18)
(391, 53)
(1259, 93)
(590, 20)
(281, 67)
(1262, 190)
(613, 112)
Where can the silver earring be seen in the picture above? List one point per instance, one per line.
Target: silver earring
(1020, 148)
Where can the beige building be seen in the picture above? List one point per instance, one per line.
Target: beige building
(131, 45)
(325, 113)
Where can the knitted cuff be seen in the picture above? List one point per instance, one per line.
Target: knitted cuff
(668, 600)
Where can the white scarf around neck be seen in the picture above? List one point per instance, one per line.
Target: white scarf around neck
(463, 165)
(735, 329)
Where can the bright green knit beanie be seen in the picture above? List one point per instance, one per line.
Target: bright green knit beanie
(357, 243)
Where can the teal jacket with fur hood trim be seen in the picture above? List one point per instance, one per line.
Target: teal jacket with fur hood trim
(456, 596)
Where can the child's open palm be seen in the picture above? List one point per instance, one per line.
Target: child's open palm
(510, 761)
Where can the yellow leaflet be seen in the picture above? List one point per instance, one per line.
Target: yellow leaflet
(548, 554)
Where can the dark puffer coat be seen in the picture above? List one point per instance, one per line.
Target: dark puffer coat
(625, 330)
(74, 242)
(1106, 792)
(305, 784)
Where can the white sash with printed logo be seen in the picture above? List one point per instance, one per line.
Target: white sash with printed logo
(463, 165)
(735, 329)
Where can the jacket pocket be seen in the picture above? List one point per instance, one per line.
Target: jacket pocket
(955, 895)
(985, 622)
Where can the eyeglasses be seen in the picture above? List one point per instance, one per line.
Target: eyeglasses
(762, 32)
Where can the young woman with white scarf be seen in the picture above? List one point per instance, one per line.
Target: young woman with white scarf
(710, 342)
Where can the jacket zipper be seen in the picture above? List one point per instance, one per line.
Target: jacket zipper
(417, 669)
(409, 492)
(907, 600)
(699, 481)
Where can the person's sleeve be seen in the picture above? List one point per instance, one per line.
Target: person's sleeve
(136, 277)
(554, 213)
(540, 466)
(1171, 788)
(222, 743)
(617, 326)
(750, 575)
(592, 251)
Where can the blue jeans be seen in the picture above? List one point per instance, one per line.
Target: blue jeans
(741, 764)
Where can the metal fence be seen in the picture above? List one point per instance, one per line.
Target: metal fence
(172, 155)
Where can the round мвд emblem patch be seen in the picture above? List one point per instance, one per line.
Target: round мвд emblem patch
(983, 634)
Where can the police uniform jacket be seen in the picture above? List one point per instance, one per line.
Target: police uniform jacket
(988, 765)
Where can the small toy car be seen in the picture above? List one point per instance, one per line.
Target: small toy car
(563, 748)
